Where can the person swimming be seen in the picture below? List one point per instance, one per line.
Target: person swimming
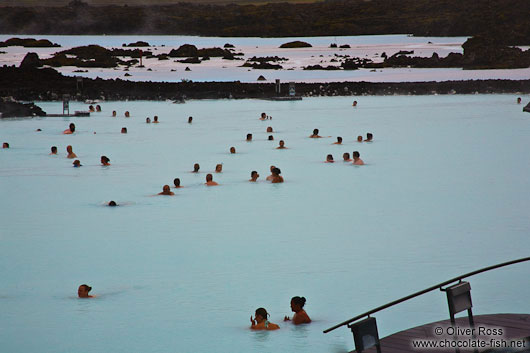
(276, 177)
(249, 137)
(91, 108)
(166, 191)
(83, 290)
(329, 158)
(359, 139)
(339, 141)
(190, 119)
(70, 130)
(269, 178)
(261, 322)
(77, 163)
(281, 146)
(232, 150)
(263, 116)
(300, 316)
(518, 100)
(123, 130)
(369, 137)
(269, 129)
(354, 103)
(346, 157)
(113, 113)
(271, 138)
(176, 181)
(254, 176)
(53, 150)
(209, 180)
(112, 204)
(98, 108)
(148, 120)
(196, 168)
(357, 158)
(127, 114)
(155, 119)
(70, 154)
(219, 168)
(5, 145)
(105, 160)
(315, 134)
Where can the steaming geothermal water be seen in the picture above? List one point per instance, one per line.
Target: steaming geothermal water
(445, 190)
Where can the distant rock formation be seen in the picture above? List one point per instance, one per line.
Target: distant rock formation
(28, 43)
(527, 108)
(31, 60)
(296, 44)
(10, 109)
(139, 43)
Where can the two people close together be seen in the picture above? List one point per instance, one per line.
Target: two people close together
(261, 317)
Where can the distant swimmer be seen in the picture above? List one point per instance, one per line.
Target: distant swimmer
(357, 158)
(70, 154)
(354, 103)
(70, 130)
(271, 138)
(38, 130)
(339, 141)
(276, 177)
(249, 137)
(300, 316)
(91, 108)
(176, 181)
(196, 168)
(269, 178)
(127, 114)
(329, 158)
(254, 176)
(219, 168)
(148, 120)
(518, 100)
(281, 146)
(83, 290)
(113, 113)
(369, 137)
(105, 160)
(77, 163)
(232, 150)
(269, 129)
(166, 191)
(123, 130)
(346, 157)
(209, 180)
(190, 119)
(98, 108)
(359, 139)
(54, 150)
(5, 145)
(263, 116)
(112, 204)
(155, 119)
(261, 322)
(315, 134)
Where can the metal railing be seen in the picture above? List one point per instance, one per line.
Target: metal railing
(438, 286)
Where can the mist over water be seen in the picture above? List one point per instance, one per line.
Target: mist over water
(445, 190)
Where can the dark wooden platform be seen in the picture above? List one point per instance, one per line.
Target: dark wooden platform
(514, 327)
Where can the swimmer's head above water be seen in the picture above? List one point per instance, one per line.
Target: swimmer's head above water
(196, 168)
(112, 203)
(232, 150)
(176, 181)
(83, 290)
(249, 137)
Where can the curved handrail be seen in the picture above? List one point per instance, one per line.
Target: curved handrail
(368, 313)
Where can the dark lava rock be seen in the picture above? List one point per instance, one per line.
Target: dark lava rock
(488, 53)
(194, 60)
(30, 60)
(187, 69)
(262, 65)
(185, 50)
(333, 45)
(127, 74)
(267, 58)
(261, 78)
(345, 46)
(527, 108)
(296, 44)
(15, 109)
(228, 45)
(28, 43)
(135, 53)
(320, 67)
(405, 52)
(163, 57)
(139, 43)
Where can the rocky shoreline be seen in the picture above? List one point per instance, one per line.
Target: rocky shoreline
(47, 84)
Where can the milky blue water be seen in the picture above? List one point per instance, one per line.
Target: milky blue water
(445, 190)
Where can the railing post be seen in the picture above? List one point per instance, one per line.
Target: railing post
(365, 334)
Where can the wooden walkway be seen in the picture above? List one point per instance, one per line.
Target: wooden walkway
(514, 327)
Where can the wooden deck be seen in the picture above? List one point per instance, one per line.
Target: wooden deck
(514, 327)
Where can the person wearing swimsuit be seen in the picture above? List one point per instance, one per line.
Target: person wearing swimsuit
(260, 321)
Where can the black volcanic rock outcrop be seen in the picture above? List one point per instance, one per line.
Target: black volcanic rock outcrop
(16, 109)
(31, 60)
(296, 44)
(28, 43)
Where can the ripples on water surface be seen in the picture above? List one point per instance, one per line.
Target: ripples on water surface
(445, 191)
